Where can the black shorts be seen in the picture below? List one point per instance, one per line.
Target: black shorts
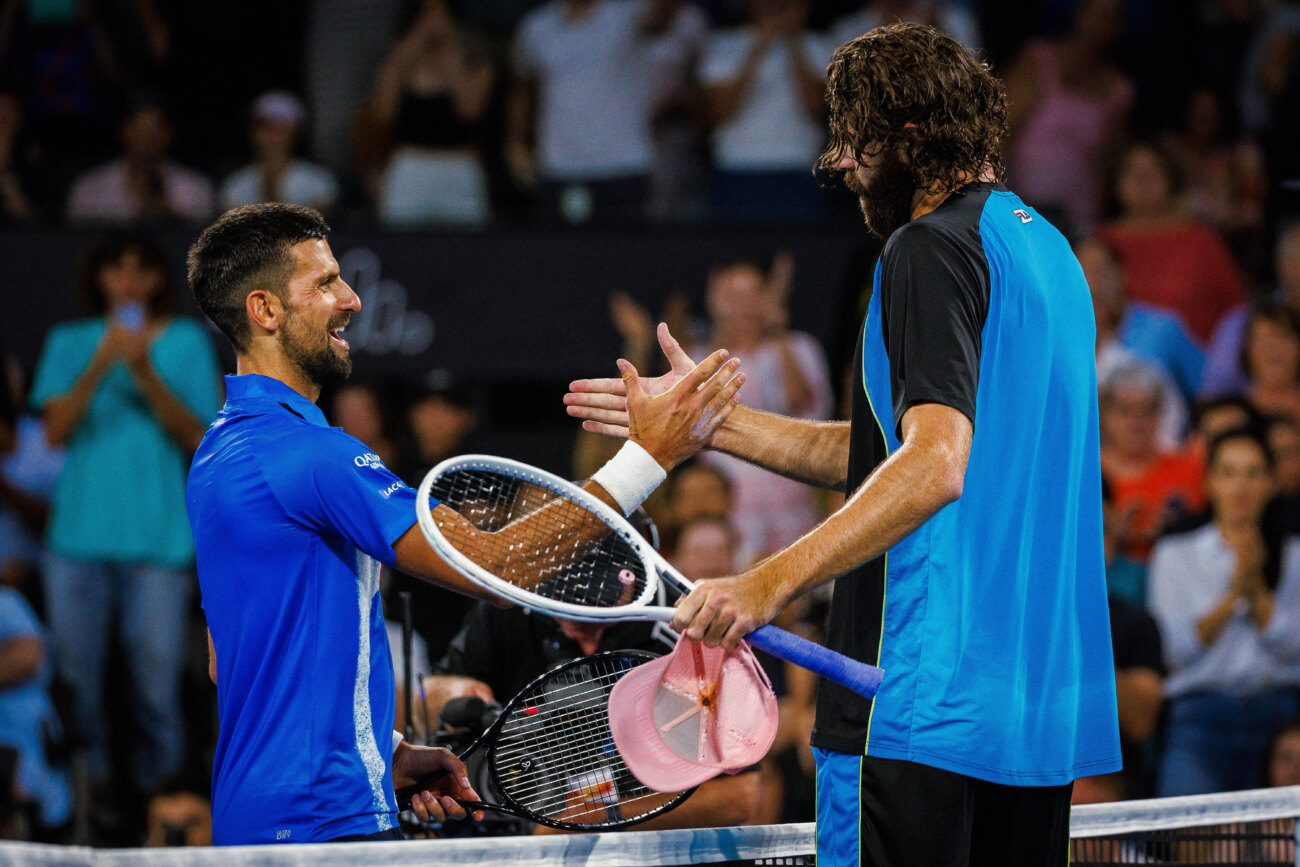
(890, 813)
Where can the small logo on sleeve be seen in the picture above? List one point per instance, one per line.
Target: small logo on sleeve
(1025, 216)
(392, 489)
(283, 835)
(370, 459)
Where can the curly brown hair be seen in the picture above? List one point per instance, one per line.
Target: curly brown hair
(904, 74)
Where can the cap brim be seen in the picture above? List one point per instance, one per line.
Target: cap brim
(632, 723)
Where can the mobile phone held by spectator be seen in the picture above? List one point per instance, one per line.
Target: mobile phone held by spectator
(131, 316)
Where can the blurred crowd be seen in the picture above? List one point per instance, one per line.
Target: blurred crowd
(443, 113)
(1161, 137)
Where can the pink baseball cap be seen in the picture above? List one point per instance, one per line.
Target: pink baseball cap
(693, 714)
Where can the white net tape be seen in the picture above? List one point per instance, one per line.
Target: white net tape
(769, 844)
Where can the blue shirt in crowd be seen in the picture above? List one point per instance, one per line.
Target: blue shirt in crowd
(27, 716)
(1160, 337)
(121, 497)
(292, 520)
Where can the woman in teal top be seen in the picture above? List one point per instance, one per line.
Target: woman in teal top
(129, 393)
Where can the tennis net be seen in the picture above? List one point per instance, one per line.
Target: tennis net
(1238, 828)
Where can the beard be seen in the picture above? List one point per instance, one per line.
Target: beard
(887, 197)
(311, 352)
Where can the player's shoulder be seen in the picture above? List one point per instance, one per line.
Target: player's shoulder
(935, 234)
(330, 447)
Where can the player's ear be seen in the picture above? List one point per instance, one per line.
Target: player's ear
(264, 309)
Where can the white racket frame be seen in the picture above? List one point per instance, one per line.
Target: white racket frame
(652, 562)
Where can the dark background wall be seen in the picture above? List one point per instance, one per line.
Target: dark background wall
(516, 314)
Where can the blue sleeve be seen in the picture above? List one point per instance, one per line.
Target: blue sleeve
(334, 484)
(188, 366)
(62, 361)
(16, 617)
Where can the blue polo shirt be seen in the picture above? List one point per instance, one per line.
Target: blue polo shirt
(292, 520)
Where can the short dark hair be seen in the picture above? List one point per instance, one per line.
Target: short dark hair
(247, 249)
(1205, 406)
(904, 74)
(1248, 433)
(110, 250)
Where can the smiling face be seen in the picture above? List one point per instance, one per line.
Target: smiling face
(318, 306)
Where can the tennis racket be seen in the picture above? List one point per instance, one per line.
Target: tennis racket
(544, 543)
(551, 757)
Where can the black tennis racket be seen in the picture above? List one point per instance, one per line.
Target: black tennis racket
(551, 758)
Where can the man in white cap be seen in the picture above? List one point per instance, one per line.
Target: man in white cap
(276, 174)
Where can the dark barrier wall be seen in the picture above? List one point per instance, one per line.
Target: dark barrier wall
(492, 306)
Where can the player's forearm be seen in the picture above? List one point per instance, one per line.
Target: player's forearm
(815, 452)
(902, 494)
(415, 556)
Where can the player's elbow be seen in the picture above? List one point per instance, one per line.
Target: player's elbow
(949, 481)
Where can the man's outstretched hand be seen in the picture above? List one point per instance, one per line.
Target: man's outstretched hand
(602, 403)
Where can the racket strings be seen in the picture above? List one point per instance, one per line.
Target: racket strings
(539, 540)
(555, 755)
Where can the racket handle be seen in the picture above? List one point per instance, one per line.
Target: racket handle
(862, 678)
(405, 795)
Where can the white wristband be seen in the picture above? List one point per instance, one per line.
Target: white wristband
(397, 739)
(630, 476)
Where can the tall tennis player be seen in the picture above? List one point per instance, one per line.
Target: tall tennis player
(970, 547)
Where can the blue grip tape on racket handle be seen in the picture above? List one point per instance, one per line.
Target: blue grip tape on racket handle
(860, 677)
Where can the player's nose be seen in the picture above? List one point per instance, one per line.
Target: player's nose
(348, 299)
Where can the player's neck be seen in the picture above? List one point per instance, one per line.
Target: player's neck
(925, 201)
(276, 366)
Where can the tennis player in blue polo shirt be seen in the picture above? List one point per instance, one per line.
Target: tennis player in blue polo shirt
(293, 521)
(970, 548)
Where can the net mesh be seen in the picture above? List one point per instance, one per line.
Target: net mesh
(1240, 828)
(537, 539)
(1257, 827)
